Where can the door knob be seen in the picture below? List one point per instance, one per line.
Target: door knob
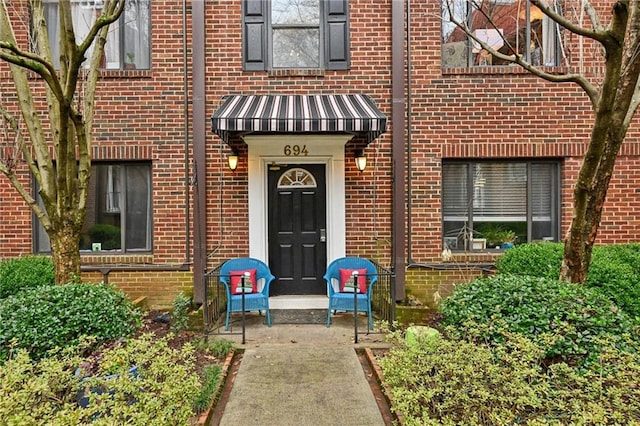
(323, 235)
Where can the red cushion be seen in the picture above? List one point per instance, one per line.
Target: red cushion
(250, 283)
(346, 282)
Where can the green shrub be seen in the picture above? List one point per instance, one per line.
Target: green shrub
(47, 317)
(451, 382)
(219, 348)
(180, 314)
(48, 391)
(25, 272)
(536, 259)
(614, 269)
(531, 306)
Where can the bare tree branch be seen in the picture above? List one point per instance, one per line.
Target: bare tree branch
(30, 61)
(8, 165)
(599, 33)
(578, 79)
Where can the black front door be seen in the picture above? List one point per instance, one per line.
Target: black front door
(297, 228)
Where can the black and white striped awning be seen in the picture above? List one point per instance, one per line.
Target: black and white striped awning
(353, 114)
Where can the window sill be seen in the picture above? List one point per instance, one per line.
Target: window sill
(115, 259)
(499, 69)
(296, 72)
(126, 73)
(481, 256)
(134, 73)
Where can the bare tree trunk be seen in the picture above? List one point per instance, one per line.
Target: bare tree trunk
(65, 243)
(581, 235)
(62, 174)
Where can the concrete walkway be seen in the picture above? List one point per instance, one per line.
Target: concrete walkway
(301, 385)
(302, 374)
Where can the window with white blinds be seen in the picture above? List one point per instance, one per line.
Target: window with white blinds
(486, 201)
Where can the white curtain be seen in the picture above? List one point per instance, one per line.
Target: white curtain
(128, 38)
(548, 41)
(83, 15)
(136, 33)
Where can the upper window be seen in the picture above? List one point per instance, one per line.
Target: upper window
(118, 210)
(128, 42)
(295, 34)
(512, 27)
(495, 204)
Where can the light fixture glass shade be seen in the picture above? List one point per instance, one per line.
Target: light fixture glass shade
(361, 161)
(233, 161)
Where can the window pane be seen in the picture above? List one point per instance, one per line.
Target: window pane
(455, 206)
(136, 33)
(102, 230)
(118, 214)
(454, 40)
(509, 26)
(138, 214)
(288, 12)
(543, 202)
(499, 192)
(128, 42)
(502, 26)
(455, 199)
(296, 48)
(506, 200)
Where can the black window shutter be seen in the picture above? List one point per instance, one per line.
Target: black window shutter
(337, 34)
(254, 38)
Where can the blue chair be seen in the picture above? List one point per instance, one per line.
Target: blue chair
(252, 301)
(343, 301)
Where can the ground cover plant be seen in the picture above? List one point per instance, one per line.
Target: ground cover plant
(82, 354)
(525, 348)
(447, 381)
(49, 391)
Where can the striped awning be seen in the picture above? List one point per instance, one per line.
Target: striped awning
(352, 114)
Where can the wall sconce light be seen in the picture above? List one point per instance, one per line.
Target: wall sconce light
(233, 161)
(361, 160)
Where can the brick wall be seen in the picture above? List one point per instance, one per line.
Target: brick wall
(368, 194)
(455, 114)
(140, 115)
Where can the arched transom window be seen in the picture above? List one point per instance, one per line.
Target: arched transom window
(299, 178)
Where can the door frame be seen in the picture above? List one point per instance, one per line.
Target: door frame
(322, 149)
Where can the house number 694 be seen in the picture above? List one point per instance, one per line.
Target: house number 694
(296, 150)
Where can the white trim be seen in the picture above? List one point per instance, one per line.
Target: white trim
(323, 149)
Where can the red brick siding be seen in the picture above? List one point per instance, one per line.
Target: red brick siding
(368, 194)
(455, 114)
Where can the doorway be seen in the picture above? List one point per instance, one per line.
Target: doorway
(297, 228)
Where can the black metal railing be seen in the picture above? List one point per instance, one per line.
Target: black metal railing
(215, 306)
(382, 300)
(384, 295)
(215, 300)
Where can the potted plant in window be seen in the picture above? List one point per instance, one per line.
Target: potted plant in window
(498, 236)
(492, 233)
(130, 63)
(508, 239)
